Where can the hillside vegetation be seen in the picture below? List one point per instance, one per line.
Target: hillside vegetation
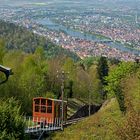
(35, 75)
(111, 122)
(38, 72)
(19, 38)
(96, 127)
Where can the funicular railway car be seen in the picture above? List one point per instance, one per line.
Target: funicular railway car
(48, 110)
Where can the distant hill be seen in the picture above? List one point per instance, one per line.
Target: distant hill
(17, 37)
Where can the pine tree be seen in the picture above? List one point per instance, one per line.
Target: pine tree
(103, 69)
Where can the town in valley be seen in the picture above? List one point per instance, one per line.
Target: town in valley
(92, 29)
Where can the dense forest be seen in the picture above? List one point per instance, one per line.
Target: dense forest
(37, 65)
(17, 37)
(34, 75)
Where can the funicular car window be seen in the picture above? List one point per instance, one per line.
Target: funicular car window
(43, 101)
(43, 109)
(37, 101)
(49, 106)
(49, 102)
(37, 108)
(49, 109)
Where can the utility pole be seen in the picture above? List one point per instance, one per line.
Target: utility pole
(89, 93)
(89, 108)
(62, 76)
(62, 96)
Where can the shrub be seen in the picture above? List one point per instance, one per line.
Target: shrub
(11, 122)
(131, 128)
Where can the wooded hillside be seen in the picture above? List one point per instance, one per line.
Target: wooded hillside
(17, 37)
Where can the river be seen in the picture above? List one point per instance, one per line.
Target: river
(86, 36)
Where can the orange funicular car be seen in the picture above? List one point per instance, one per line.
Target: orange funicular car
(47, 110)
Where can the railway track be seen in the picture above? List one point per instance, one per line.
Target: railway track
(73, 121)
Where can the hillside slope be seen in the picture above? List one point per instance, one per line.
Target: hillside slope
(102, 125)
(109, 123)
(17, 37)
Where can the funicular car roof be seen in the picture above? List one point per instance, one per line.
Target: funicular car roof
(57, 100)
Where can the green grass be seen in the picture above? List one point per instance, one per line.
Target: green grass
(109, 122)
(100, 126)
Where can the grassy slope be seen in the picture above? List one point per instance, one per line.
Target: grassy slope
(100, 126)
(103, 125)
